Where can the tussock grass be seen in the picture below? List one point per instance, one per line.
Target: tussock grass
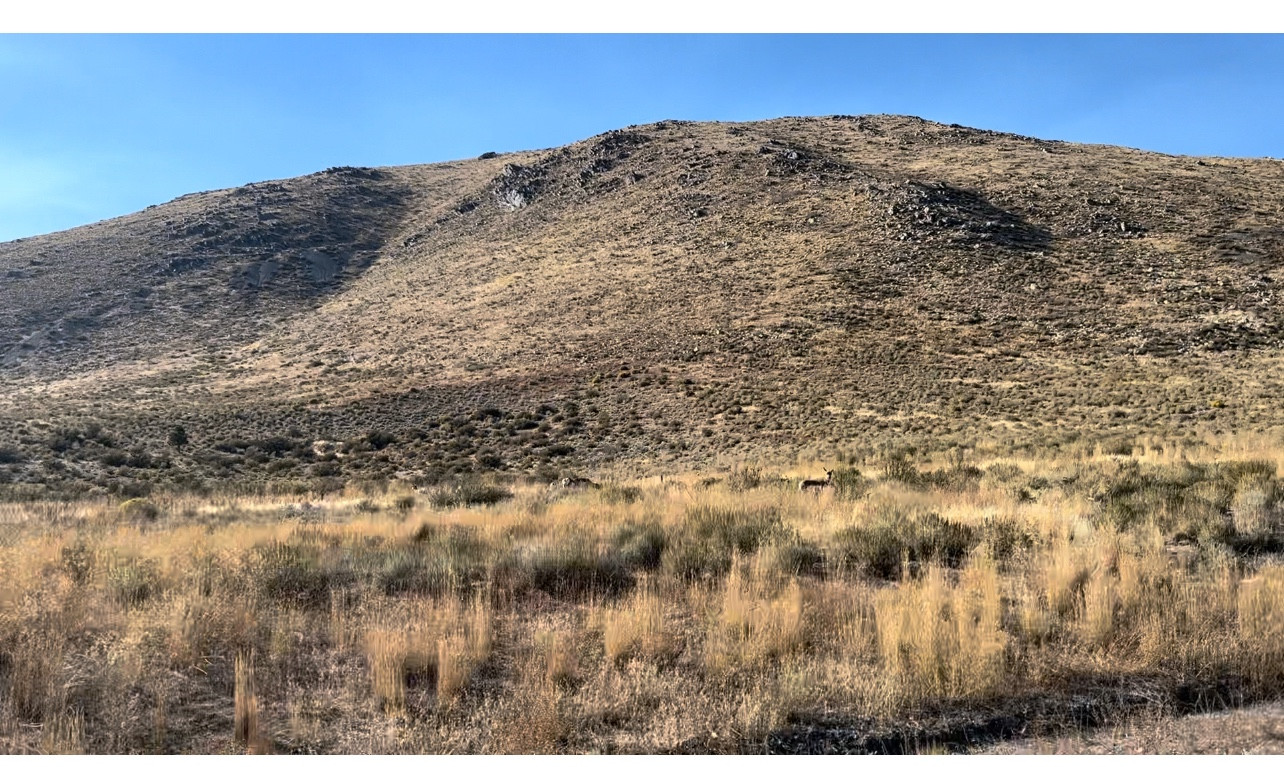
(701, 617)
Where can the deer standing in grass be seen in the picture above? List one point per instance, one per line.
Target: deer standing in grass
(817, 484)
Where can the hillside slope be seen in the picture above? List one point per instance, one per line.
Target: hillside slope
(657, 296)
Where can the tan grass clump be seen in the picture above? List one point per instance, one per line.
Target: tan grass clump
(245, 719)
(942, 640)
(756, 622)
(635, 628)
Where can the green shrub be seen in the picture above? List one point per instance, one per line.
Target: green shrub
(879, 548)
(469, 494)
(957, 478)
(849, 484)
(435, 560)
(640, 544)
(573, 570)
(425, 571)
(740, 529)
(1187, 501)
(798, 557)
(898, 467)
(705, 543)
(1004, 537)
(620, 494)
(294, 573)
(689, 559)
(177, 436)
(874, 551)
(137, 510)
(132, 580)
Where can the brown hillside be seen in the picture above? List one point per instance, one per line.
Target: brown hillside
(663, 295)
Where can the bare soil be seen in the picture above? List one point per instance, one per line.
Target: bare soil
(1252, 730)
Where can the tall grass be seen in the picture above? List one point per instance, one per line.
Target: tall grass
(679, 614)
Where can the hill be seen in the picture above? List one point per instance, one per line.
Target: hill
(653, 298)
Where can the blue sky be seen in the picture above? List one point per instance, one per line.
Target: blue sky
(103, 125)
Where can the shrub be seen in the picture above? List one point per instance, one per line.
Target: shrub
(744, 479)
(879, 548)
(957, 478)
(131, 581)
(873, 551)
(620, 494)
(378, 440)
(704, 545)
(294, 573)
(137, 510)
(78, 560)
(1255, 507)
(1186, 502)
(325, 469)
(640, 544)
(435, 561)
(404, 504)
(410, 570)
(573, 570)
(469, 494)
(1003, 537)
(177, 436)
(897, 467)
(848, 483)
(798, 557)
(114, 458)
(742, 530)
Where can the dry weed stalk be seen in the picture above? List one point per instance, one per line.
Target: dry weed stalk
(245, 717)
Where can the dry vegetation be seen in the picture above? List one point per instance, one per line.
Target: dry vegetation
(275, 460)
(918, 603)
(657, 298)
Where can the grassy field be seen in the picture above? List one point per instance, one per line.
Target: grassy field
(917, 603)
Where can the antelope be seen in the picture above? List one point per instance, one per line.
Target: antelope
(817, 484)
(574, 483)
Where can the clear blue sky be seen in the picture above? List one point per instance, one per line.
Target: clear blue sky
(98, 126)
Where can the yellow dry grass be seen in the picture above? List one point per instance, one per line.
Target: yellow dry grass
(542, 624)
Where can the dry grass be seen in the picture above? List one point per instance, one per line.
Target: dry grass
(245, 705)
(676, 617)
